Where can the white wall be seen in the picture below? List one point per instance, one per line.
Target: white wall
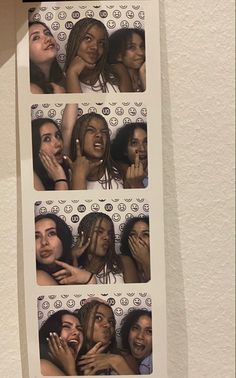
(198, 141)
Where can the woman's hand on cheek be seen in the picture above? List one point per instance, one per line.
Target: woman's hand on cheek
(61, 354)
(53, 168)
(78, 65)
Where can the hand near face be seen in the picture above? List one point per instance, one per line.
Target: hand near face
(142, 74)
(71, 275)
(77, 66)
(135, 173)
(139, 250)
(54, 169)
(79, 248)
(61, 354)
(92, 364)
(81, 168)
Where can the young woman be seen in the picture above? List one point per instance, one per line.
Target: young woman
(86, 64)
(50, 169)
(98, 322)
(60, 335)
(53, 243)
(129, 151)
(127, 58)
(46, 75)
(87, 142)
(95, 251)
(136, 337)
(135, 244)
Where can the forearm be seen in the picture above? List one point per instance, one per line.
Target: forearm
(68, 121)
(72, 82)
(78, 182)
(120, 365)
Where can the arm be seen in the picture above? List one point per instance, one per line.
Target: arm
(70, 275)
(125, 84)
(48, 369)
(61, 354)
(35, 89)
(73, 72)
(38, 185)
(101, 361)
(54, 170)
(129, 270)
(44, 279)
(142, 75)
(68, 121)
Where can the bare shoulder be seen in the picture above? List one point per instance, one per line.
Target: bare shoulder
(44, 279)
(48, 368)
(35, 89)
(38, 185)
(129, 269)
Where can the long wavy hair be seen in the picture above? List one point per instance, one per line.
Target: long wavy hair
(108, 165)
(86, 315)
(119, 145)
(38, 167)
(65, 236)
(118, 43)
(52, 324)
(55, 75)
(127, 323)
(111, 259)
(76, 36)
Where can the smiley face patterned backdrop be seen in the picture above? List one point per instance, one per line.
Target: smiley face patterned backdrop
(120, 303)
(116, 114)
(60, 19)
(72, 211)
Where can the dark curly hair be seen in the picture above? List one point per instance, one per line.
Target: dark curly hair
(127, 322)
(64, 234)
(38, 77)
(79, 131)
(119, 144)
(76, 36)
(118, 43)
(38, 167)
(52, 324)
(111, 259)
(124, 242)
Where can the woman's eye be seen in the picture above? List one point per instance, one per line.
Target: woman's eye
(37, 236)
(133, 143)
(149, 332)
(87, 38)
(52, 233)
(98, 318)
(135, 328)
(46, 139)
(58, 135)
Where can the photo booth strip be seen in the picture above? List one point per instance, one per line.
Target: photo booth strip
(72, 211)
(120, 303)
(60, 19)
(117, 114)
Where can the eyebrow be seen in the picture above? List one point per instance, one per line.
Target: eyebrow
(92, 35)
(47, 229)
(38, 32)
(100, 313)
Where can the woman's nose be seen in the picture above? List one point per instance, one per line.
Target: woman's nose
(44, 240)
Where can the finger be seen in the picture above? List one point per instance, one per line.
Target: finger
(62, 272)
(68, 161)
(95, 164)
(64, 265)
(136, 159)
(78, 149)
(95, 348)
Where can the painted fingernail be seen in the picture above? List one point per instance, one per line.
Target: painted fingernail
(54, 334)
(50, 333)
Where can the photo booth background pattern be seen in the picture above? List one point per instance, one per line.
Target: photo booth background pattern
(116, 114)
(60, 19)
(121, 304)
(72, 211)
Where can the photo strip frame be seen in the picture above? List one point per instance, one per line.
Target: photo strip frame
(89, 107)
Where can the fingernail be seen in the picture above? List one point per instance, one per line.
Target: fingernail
(47, 338)
(50, 333)
(54, 334)
(77, 140)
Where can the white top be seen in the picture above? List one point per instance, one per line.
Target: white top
(99, 86)
(105, 277)
(102, 183)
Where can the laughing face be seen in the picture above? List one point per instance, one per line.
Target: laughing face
(47, 243)
(140, 338)
(138, 144)
(101, 238)
(42, 45)
(104, 325)
(51, 141)
(140, 230)
(71, 332)
(92, 45)
(95, 139)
